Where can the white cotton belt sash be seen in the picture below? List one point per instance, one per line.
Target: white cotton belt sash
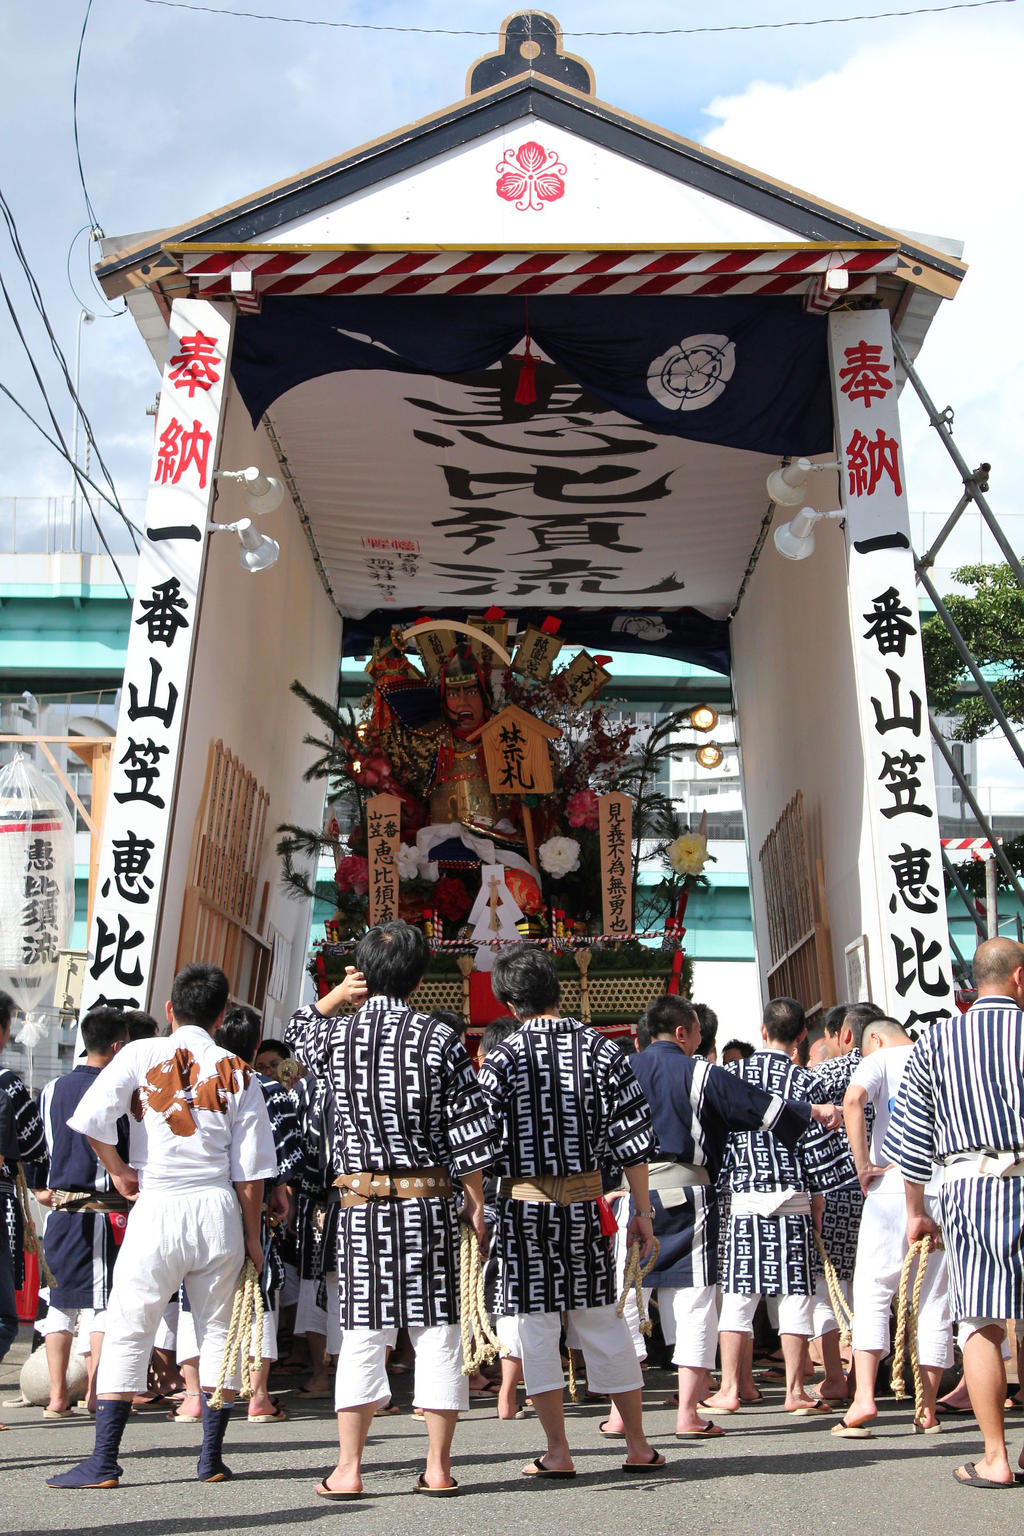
(982, 1165)
(773, 1202)
(670, 1181)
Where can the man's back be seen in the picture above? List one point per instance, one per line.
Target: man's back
(399, 1080)
(197, 1115)
(73, 1163)
(567, 1099)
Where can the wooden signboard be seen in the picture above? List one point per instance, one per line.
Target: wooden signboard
(517, 759)
(584, 678)
(516, 752)
(498, 631)
(435, 646)
(535, 654)
(383, 824)
(615, 820)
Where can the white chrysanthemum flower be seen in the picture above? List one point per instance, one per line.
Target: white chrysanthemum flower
(559, 856)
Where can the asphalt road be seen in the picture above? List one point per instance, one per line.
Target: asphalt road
(769, 1476)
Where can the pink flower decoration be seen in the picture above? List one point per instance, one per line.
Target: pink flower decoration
(530, 176)
(582, 810)
(353, 874)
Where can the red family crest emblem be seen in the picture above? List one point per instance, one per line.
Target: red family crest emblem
(530, 176)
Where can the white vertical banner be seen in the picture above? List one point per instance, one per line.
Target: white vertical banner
(161, 647)
(886, 631)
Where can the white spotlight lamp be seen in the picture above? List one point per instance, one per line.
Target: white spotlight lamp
(787, 487)
(703, 717)
(795, 539)
(259, 550)
(710, 755)
(261, 493)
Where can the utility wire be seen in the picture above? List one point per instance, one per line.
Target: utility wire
(752, 26)
(57, 448)
(55, 346)
(94, 222)
(105, 313)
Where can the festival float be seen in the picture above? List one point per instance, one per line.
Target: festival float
(487, 796)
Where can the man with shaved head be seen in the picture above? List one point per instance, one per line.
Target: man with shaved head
(961, 1106)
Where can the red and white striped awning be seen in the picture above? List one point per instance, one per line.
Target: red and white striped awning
(247, 275)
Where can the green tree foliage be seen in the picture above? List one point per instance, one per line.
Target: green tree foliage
(991, 620)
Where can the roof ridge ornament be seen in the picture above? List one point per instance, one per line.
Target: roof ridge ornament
(530, 43)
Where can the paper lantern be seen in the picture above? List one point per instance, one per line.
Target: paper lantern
(37, 882)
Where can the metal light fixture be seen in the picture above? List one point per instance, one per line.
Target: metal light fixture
(787, 487)
(710, 755)
(259, 550)
(703, 717)
(795, 539)
(261, 493)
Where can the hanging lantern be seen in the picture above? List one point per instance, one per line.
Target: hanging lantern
(37, 882)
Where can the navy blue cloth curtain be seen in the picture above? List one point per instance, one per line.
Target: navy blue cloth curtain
(744, 372)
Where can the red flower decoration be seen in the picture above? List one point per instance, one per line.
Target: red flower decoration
(582, 810)
(451, 898)
(353, 874)
(530, 176)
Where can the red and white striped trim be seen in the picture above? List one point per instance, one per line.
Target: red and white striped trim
(972, 845)
(459, 273)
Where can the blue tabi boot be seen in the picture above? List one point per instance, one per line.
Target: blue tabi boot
(211, 1468)
(101, 1469)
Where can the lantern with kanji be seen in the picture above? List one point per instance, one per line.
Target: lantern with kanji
(37, 882)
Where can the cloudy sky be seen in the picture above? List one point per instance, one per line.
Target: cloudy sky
(915, 122)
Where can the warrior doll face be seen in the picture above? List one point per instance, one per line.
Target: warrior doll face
(464, 706)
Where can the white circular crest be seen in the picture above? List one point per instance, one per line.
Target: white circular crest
(693, 374)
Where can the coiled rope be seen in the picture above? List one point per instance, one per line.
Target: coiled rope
(480, 1343)
(635, 1275)
(246, 1323)
(906, 1324)
(840, 1306)
(32, 1243)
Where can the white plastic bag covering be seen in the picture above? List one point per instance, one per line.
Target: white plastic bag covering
(37, 882)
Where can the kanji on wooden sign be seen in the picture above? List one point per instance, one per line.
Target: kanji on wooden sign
(383, 823)
(516, 753)
(615, 820)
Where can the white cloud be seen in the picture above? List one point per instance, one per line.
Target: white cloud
(921, 133)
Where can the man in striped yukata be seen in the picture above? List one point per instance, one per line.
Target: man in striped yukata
(775, 1194)
(21, 1140)
(961, 1105)
(564, 1102)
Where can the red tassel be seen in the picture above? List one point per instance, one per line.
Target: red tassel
(494, 615)
(551, 625)
(526, 389)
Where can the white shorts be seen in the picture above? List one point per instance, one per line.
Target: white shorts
(604, 1338)
(881, 1249)
(824, 1319)
(438, 1384)
(82, 1321)
(187, 1344)
(194, 1236)
(796, 1313)
(692, 1313)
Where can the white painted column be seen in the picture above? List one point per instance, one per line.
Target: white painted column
(139, 822)
(912, 978)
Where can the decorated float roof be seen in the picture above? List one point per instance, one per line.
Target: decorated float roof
(399, 305)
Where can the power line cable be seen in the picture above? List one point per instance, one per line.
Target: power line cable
(58, 353)
(107, 313)
(55, 445)
(95, 229)
(64, 447)
(751, 26)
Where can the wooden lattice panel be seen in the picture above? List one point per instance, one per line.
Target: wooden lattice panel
(217, 914)
(798, 936)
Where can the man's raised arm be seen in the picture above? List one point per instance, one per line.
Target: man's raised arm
(310, 1029)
